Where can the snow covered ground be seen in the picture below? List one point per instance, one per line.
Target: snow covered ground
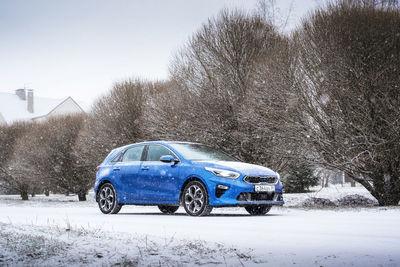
(58, 230)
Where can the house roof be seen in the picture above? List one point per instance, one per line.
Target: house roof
(12, 108)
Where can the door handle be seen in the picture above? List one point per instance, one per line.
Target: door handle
(145, 168)
(116, 169)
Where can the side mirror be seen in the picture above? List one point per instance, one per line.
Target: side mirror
(168, 159)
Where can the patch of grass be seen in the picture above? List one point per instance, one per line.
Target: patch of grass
(34, 246)
(68, 245)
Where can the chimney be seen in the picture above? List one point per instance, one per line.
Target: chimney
(21, 94)
(30, 100)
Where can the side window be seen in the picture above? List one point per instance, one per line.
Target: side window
(133, 154)
(154, 152)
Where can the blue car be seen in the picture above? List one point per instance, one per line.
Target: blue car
(198, 177)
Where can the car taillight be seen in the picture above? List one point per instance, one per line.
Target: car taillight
(97, 168)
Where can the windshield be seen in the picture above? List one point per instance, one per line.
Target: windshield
(198, 152)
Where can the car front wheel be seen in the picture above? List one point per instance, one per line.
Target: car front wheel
(107, 199)
(168, 209)
(195, 199)
(258, 210)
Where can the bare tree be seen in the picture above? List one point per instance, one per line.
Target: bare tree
(163, 111)
(215, 71)
(44, 155)
(272, 14)
(348, 81)
(269, 114)
(13, 170)
(40, 156)
(116, 119)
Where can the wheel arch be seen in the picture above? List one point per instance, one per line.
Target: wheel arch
(191, 179)
(105, 181)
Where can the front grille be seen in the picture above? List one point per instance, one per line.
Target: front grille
(259, 180)
(248, 196)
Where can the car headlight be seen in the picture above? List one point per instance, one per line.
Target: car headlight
(223, 173)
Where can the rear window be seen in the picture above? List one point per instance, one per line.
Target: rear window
(133, 154)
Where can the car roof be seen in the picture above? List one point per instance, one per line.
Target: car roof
(160, 142)
(117, 150)
(165, 142)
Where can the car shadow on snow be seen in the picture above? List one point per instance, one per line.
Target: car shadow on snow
(211, 215)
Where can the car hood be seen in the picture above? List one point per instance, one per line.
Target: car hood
(244, 168)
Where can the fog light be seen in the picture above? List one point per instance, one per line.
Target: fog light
(223, 187)
(220, 190)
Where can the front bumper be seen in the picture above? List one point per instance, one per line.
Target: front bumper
(241, 193)
(273, 198)
(252, 203)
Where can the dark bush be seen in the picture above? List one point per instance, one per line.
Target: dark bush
(355, 200)
(317, 202)
(300, 178)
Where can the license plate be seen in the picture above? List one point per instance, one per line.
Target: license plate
(264, 188)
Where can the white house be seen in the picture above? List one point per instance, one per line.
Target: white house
(23, 106)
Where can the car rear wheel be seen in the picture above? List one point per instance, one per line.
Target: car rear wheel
(107, 199)
(195, 199)
(168, 209)
(258, 210)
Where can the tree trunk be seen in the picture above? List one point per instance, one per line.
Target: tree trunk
(326, 182)
(82, 196)
(24, 195)
(385, 190)
(33, 194)
(47, 192)
(384, 197)
(389, 201)
(353, 183)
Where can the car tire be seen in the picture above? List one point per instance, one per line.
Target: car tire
(168, 209)
(107, 199)
(258, 210)
(195, 199)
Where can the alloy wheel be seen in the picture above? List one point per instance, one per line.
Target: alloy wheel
(107, 199)
(195, 199)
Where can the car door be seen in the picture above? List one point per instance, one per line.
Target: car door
(159, 183)
(129, 167)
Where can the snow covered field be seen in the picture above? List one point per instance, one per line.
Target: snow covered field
(58, 230)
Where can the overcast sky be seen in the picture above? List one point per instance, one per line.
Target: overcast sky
(79, 48)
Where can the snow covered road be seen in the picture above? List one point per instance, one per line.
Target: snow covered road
(358, 237)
